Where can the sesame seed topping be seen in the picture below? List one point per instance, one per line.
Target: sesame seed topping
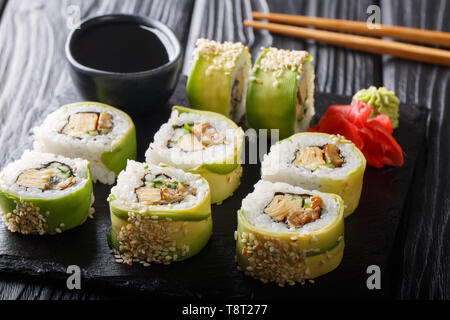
(279, 60)
(223, 56)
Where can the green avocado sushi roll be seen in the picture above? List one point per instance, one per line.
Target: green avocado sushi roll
(104, 135)
(201, 142)
(219, 77)
(287, 234)
(281, 92)
(158, 215)
(318, 161)
(45, 194)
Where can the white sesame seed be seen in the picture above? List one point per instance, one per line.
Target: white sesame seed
(278, 60)
(223, 56)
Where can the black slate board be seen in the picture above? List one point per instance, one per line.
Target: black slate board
(370, 233)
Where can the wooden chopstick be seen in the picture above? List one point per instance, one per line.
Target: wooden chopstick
(367, 44)
(437, 38)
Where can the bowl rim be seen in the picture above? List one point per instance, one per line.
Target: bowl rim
(149, 22)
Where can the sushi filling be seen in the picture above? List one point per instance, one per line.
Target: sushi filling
(53, 176)
(163, 190)
(83, 124)
(314, 158)
(192, 137)
(302, 95)
(236, 92)
(294, 210)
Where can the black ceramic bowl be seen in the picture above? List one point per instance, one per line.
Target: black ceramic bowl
(135, 92)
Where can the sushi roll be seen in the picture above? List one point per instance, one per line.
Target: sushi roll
(158, 214)
(286, 234)
(204, 143)
(97, 132)
(318, 161)
(219, 77)
(45, 194)
(281, 92)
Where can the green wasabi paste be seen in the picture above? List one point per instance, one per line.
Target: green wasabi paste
(381, 101)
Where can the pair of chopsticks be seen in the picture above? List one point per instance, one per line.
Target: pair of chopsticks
(288, 25)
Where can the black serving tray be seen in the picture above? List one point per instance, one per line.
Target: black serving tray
(370, 232)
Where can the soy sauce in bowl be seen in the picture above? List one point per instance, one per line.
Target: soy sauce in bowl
(123, 47)
(126, 61)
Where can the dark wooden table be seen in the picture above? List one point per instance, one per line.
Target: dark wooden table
(33, 70)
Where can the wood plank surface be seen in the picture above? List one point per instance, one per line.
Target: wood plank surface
(424, 240)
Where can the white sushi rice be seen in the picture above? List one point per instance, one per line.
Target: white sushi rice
(255, 203)
(47, 138)
(131, 178)
(36, 160)
(159, 152)
(309, 110)
(277, 166)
